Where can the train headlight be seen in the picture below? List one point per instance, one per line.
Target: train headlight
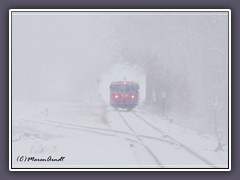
(116, 96)
(132, 96)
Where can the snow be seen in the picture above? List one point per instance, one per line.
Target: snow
(84, 134)
(202, 144)
(31, 137)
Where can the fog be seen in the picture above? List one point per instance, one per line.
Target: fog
(63, 57)
(58, 58)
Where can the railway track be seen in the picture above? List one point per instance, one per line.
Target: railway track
(101, 131)
(183, 146)
(132, 136)
(155, 158)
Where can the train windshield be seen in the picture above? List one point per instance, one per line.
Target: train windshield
(124, 88)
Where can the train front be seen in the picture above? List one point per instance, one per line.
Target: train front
(124, 95)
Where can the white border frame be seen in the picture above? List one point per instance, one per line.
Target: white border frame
(119, 10)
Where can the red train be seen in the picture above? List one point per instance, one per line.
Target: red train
(124, 95)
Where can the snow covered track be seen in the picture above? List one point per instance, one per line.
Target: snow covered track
(89, 129)
(188, 149)
(139, 139)
(96, 130)
(102, 136)
(67, 126)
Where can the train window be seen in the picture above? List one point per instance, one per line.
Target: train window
(130, 89)
(124, 88)
(117, 88)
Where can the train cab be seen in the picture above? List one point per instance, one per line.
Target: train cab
(124, 95)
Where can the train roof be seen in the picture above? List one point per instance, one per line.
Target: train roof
(124, 82)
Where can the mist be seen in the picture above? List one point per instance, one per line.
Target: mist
(180, 61)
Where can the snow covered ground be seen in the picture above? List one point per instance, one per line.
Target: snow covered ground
(88, 135)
